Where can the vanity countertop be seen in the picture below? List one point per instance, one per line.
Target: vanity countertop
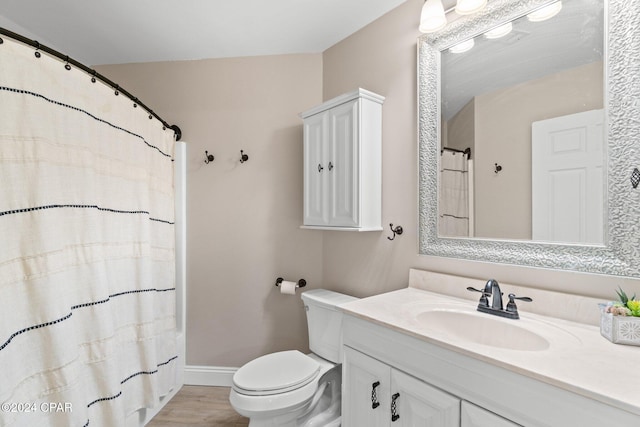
(578, 358)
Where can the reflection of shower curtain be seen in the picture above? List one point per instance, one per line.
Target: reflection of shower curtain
(87, 294)
(454, 202)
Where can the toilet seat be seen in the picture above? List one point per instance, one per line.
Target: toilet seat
(276, 373)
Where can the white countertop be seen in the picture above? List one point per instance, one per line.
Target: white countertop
(578, 358)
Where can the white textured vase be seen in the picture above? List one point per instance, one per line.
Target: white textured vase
(620, 329)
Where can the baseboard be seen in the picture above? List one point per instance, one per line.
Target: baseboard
(209, 375)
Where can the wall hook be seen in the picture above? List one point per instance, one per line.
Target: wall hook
(498, 168)
(243, 157)
(395, 230)
(208, 157)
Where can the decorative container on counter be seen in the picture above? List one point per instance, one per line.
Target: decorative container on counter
(620, 329)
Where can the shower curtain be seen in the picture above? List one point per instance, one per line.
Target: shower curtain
(87, 293)
(454, 195)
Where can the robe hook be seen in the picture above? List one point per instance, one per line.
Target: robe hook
(208, 157)
(243, 157)
(395, 230)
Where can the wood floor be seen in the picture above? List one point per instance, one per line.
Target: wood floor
(199, 406)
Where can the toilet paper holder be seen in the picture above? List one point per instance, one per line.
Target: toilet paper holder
(301, 283)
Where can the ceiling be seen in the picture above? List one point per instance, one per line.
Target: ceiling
(98, 32)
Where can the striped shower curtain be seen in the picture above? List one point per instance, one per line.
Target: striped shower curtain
(87, 293)
(454, 203)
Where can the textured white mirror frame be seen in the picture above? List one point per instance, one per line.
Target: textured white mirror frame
(620, 255)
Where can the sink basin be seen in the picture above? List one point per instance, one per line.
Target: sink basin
(481, 328)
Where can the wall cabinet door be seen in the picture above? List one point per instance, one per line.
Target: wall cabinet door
(343, 166)
(475, 416)
(315, 188)
(374, 394)
(342, 163)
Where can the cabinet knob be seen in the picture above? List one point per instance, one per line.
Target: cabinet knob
(374, 396)
(320, 168)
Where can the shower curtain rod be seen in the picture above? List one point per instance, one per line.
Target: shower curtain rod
(466, 151)
(94, 73)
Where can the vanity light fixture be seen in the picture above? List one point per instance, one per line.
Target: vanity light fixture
(463, 47)
(500, 31)
(433, 17)
(545, 12)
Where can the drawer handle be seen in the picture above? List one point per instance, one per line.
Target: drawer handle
(320, 168)
(330, 166)
(374, 396)
(394, 409)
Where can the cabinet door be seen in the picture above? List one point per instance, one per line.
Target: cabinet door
(315, 133)
(474, 416)
(365, 394)
(343, 165)
(415, 403)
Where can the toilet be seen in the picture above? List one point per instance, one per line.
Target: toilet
(290, 388)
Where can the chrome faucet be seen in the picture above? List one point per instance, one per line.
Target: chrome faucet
(492, 290)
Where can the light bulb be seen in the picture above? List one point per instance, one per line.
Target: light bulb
(432, 17)
(501, 31)
(545, 13)
(467, 7)
(463, 47)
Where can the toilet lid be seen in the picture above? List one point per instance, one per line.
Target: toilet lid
(276, 373)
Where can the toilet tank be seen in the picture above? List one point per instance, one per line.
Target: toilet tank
(324, 321)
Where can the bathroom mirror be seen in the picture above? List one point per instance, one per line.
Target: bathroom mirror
(600, 49)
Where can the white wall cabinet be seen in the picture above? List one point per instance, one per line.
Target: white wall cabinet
(378, 395)
(342, 163)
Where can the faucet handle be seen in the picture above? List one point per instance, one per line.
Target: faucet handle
(511, 305)
(483, 299)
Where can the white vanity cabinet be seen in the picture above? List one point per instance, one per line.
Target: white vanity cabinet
(474, 416)
(342, 163)
(378, 395)
(483, 393)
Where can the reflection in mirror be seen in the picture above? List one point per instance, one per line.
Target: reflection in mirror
(619, 253)
(526, 97)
